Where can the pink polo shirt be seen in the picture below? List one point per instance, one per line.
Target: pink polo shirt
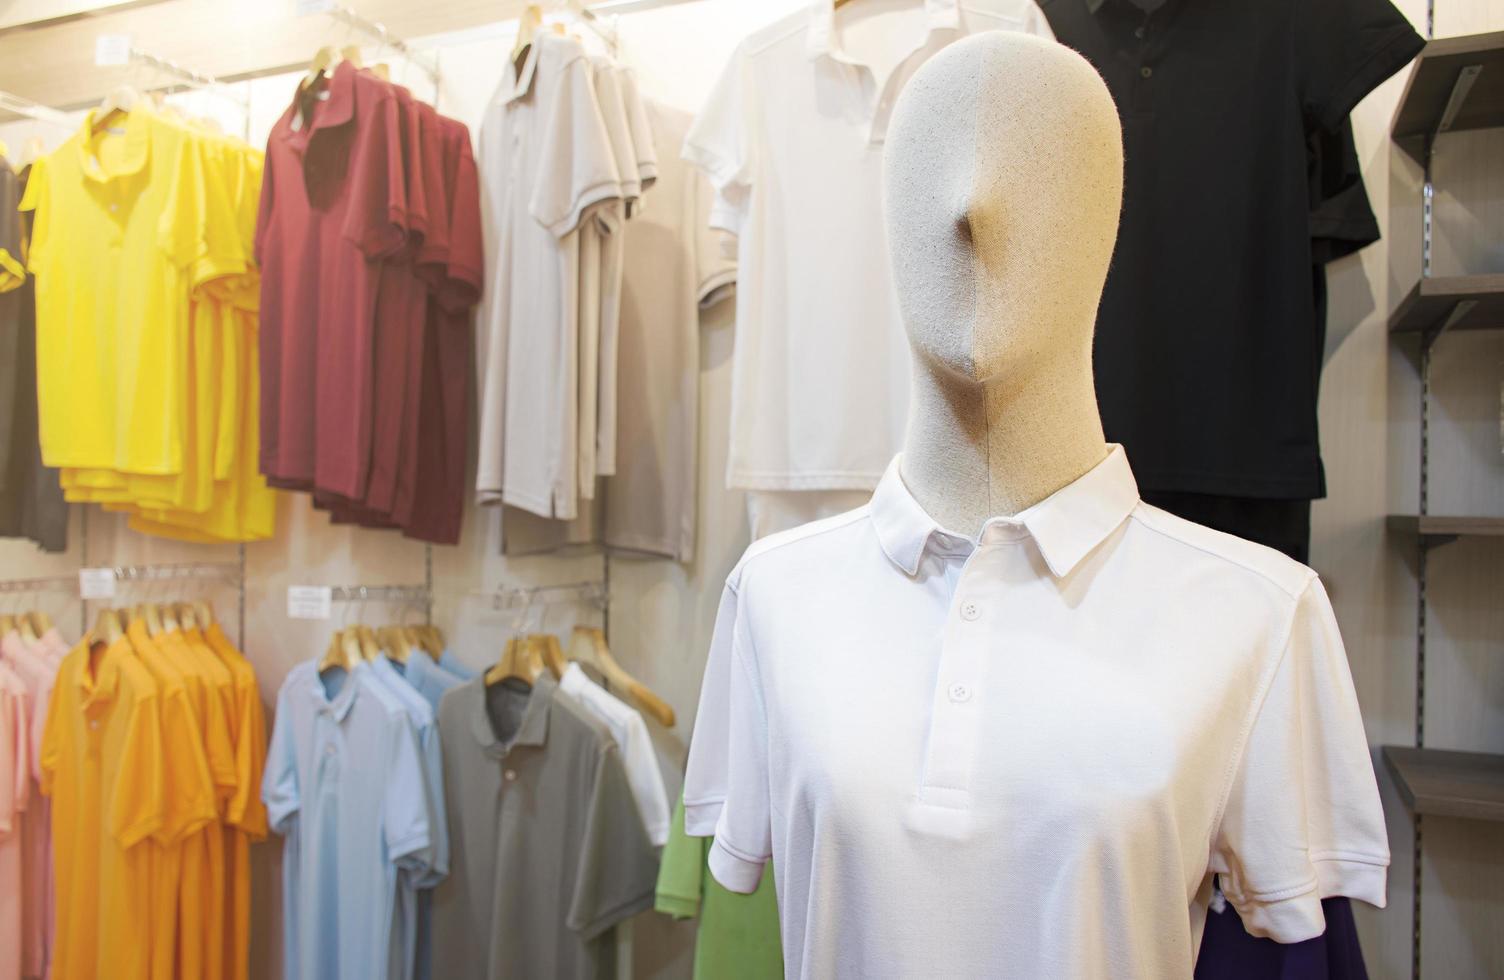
(15, 793)
(36, 665)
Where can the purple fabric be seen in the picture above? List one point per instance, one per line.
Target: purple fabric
(1228, 952)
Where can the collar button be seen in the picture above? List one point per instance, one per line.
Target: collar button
(971, 611)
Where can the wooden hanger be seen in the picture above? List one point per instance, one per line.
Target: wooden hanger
(28, 631)
(369, 646)
(108, 627)
(186, 617)
(169, 619)
(41, 621)
(433, 641)
(7, 623)
(552, 653)
(394, 643)
(592, 641)
(527, 29)
(31, 152)
(518, 659)
(204, 613)
(152, 616)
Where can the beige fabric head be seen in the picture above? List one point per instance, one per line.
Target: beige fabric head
(1003, 181)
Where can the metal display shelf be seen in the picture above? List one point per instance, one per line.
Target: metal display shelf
(1458, 84)
(1448, 784)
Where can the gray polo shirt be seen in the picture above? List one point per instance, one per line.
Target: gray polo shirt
(547, 850)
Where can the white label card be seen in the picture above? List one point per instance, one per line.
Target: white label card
(96, 583)
(112, 49)
(302, 8)
(309, 601)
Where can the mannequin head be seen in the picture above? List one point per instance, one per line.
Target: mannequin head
(1003, 177)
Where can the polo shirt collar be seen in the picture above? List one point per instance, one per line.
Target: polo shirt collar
(339, 706)
(534, 728)
(1066, 526)
(522, 78)
(137, 146)
(941, 15)
(98, 682)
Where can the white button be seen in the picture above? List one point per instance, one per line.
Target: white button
(970, 611)
(509, 774)
(960, 693)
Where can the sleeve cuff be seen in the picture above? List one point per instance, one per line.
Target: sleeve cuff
(741, 873)
(722, 172)
(604, 191)
(1286, 916)
(716, 288)
(726, 218)
(1396, 52)
(676, 906)
(1355, 877)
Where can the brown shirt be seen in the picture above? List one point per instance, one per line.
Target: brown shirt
(548, 852)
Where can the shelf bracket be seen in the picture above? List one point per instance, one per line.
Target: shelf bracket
(1466, 77)
(1459, 312)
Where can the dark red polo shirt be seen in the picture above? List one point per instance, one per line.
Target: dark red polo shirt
(334, 206)
(439, 486)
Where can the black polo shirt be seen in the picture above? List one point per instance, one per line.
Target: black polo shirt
(1208, 351)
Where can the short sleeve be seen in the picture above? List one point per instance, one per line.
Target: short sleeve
(720, 144)
(681, 871)
(577, 167)
(641, 127)
(246, 810)
(1344, 50)
(437, 817)
(279, 780)
(728, 781)
(714, 249)
(1303, 820)
(614, 114)
(466, 278)
(198, 228)
(265, 208)
(646, 779)
(188, 802)
(377, 220)
(50, 750)
(1342, 220)
(405, 818)
(618, 869)
(34, 200)
(137, 805)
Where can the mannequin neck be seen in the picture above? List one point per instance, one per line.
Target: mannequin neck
(974, 451)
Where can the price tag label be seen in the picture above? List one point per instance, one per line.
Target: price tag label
(309, 601)
(96, 583)
(112, 49)
(302, 8)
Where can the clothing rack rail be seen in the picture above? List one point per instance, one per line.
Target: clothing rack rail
(521, 597)
(225, 572)
(376, 30)
(18, 106)
(416, 595)
(52, 583)
(188, 76)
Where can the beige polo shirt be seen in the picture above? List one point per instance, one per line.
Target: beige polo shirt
(674, 266)
(548, 851)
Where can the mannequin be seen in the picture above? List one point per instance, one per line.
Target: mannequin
(1002, 210)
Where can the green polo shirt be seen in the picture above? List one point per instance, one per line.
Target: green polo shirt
(739, 937)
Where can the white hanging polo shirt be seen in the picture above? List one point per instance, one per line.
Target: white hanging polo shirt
(1025, 757)
(546, 160)
(791, 137)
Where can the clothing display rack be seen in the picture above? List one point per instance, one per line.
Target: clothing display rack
(424, 62)
(53, 583)
(1457, 85)
(506, 598)
(418, 596)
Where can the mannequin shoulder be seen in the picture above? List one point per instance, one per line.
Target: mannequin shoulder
(824, 544)
(1222, 554)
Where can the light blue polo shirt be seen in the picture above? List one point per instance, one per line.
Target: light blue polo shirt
(415, 897)
(452, 664)
(344, 782)
(428, 678)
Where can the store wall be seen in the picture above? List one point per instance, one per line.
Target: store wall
(661, 613)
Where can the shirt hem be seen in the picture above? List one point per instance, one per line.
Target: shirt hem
(608, 919)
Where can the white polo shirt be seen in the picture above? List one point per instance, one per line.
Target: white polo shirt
(630, 733)
(1025, 757)
(792, 137)
(546, 159)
